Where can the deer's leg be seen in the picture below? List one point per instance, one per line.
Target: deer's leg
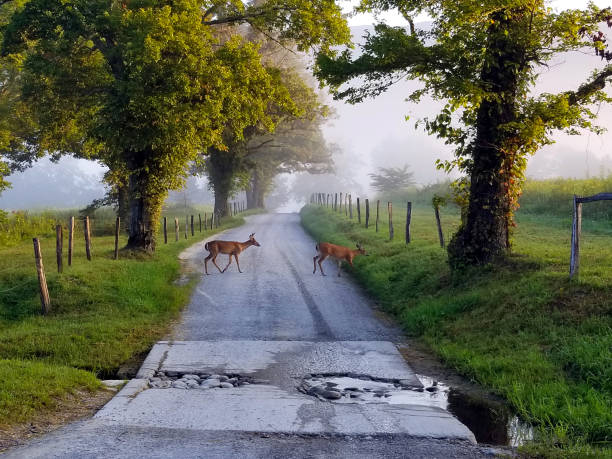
(314, 262)
(321, 259)
(228, 263)
(206, 263)
(236, 257)
(214, 260)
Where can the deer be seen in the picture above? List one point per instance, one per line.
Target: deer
(339, 252)
(232, 248)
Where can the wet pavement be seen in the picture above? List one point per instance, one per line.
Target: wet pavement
(239, 376)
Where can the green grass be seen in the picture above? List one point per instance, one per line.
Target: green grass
(103, 312)
(522, 329)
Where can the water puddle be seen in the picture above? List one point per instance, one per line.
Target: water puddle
(491, 422)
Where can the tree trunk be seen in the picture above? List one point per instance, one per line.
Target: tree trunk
(221, 201)
(256, 192)
(144, 212)
(123, 205)
(222, 167)
(484, 236)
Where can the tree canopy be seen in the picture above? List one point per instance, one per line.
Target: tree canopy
(390, 179)
(482, 60)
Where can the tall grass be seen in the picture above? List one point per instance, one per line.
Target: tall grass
(19, 226)
(555, 197)
(542, 197)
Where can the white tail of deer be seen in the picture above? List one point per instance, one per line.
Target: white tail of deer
(338, 252)
(232, 248)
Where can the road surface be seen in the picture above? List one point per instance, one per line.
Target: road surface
(274, 332)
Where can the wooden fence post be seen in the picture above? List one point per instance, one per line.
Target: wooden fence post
(358, 212)
(335, 202)
(70, 240)
(87, 237)
(192, 231)
(367, 204)
(576, 232)
(205, 221)
(439, 224)
(212, 219)
(408, 218)
(165, 230)
(176, 229)
(59, 246)
(200, 220)
(346, 205)
(390, 210)
(186, 225)
(117, 226)
(377, 212)
(350, 206)
(42, 280)
(340, 203)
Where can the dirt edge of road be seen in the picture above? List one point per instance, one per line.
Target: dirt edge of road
(80, 405)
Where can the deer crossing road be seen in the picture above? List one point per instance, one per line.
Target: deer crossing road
(249, 370)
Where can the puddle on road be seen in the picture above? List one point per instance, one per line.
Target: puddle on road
(491, 422)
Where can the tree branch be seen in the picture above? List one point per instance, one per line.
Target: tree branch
(246, 16)
(588, 89)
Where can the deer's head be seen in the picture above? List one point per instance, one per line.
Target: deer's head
(361, 250)
(253, 241)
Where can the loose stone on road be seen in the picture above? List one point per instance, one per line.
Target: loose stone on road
(274, 362)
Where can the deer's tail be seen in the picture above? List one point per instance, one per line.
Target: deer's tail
(317, 247)
(206, 247)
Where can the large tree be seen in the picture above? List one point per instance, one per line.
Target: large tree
(144, 86)
(291, 139)
(296, 146)
(390, 179)
(482, 59)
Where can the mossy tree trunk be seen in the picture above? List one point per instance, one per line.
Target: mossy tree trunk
(484, 236)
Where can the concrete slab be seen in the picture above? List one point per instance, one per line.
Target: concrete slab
(277, 406)
(277, 360)
(265, 408)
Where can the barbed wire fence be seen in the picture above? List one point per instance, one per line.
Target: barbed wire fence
(82, 230)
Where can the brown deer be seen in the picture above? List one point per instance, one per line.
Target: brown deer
(232, 248)
(338, 252)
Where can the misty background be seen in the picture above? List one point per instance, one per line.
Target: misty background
(375, 133)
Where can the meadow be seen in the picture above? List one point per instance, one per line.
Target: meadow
(523, 330)
(104, 312)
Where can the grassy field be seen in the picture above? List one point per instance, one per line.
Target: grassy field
(522, 330)
(103, 312)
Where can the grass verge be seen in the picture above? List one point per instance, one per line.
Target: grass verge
(522, 329)
(103, 312)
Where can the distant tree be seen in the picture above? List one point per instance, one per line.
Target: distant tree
(147, 86)
(390, 179)
(482, 59)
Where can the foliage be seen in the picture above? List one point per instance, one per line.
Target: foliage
(482, 60)
(389, 179)
(17, 130)
(438, 201)
(521, 330)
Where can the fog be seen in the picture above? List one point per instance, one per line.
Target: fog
(372, 134)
